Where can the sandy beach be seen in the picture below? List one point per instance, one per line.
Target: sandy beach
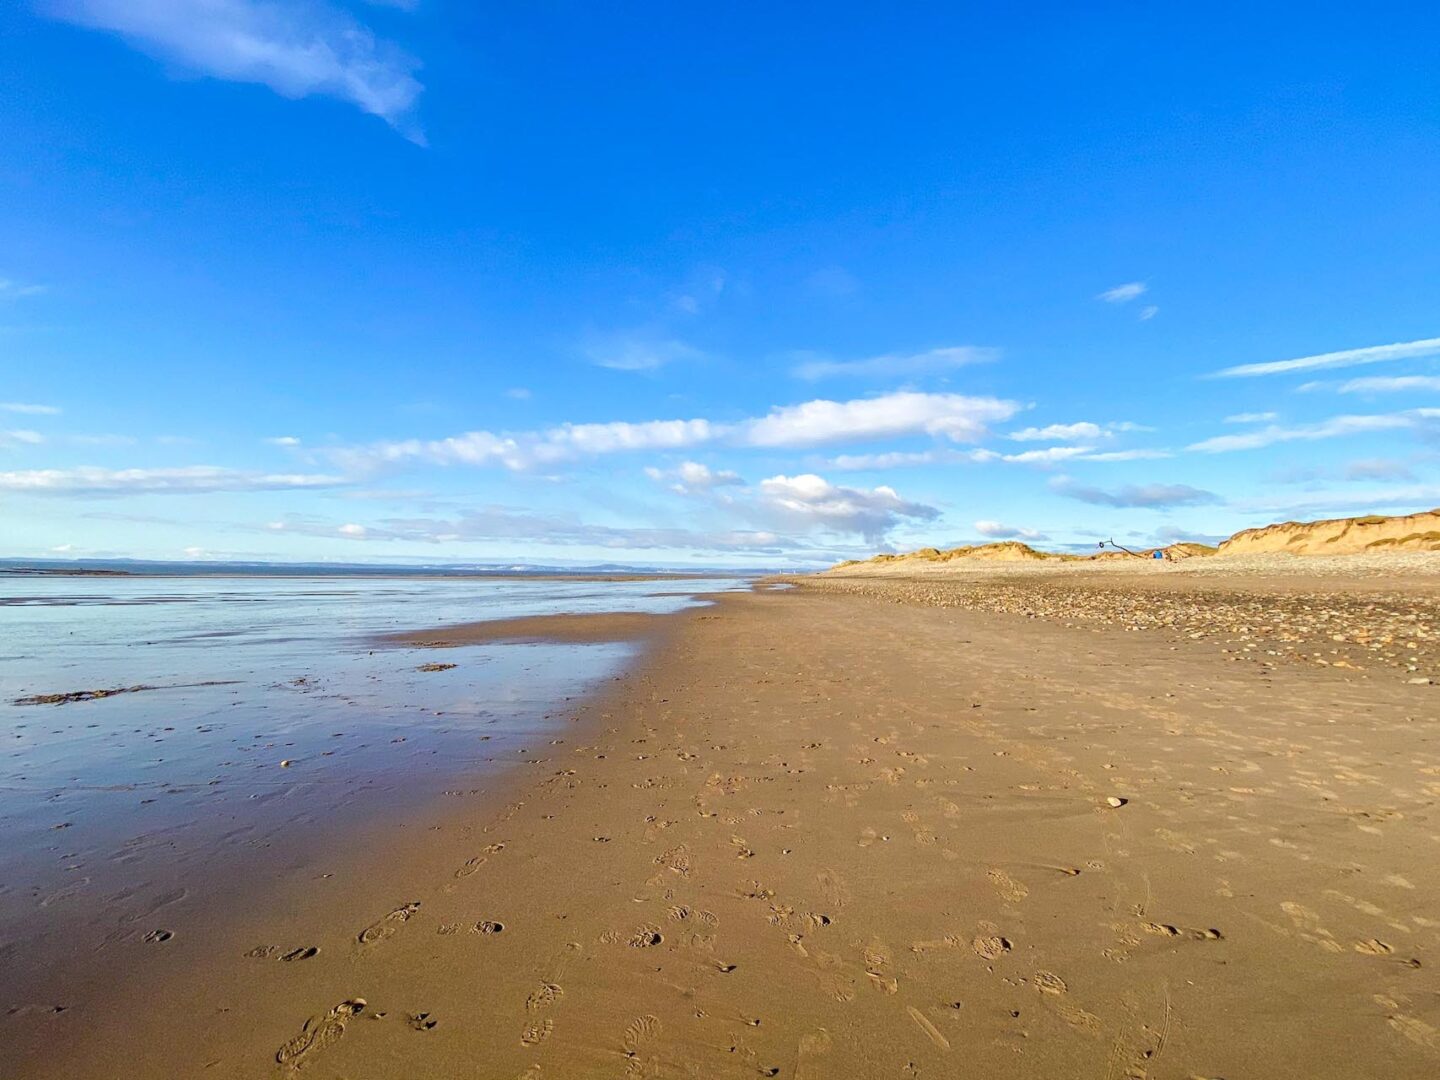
(820, 834)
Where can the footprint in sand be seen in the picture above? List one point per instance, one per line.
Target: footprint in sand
(422, 1021)
(487, 926)
(1047, 982)
(543, 997)
(990, 946)
(537, 1032)
(384, 928)
(318, 1033)
(639, 1032)
(645, 936)
(811, 1055)
(833, 888)
(154, 937)
(474, 864)
(305, 952)
(1008, 887)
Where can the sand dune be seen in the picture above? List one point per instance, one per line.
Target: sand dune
(1337, 536)
(1341, 536)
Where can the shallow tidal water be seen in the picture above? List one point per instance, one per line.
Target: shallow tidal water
(270, 718)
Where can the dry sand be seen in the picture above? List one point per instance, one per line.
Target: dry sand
(816, 835)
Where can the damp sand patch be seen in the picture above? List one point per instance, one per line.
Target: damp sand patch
(568, 629)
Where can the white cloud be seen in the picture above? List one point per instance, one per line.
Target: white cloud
(898, 365)
(1123, 294)
(296, 48)
(355, 532)
(693, 478)
(28, 409)
(998, 531)
(1383, 384)
(1138, 454)
(1148, 312)
(284, 440)
(1083, 431)
(192, 478)
(945, 456)
(1048, 456)
(1373, 354)
(813, 423)
(636, 350)
(1251, 418)
(20, 437)
(951, 416)
(809, 500)
(519, 393)
(1335, 427)
(899, 459)
(1060, 433)
(1132, 496)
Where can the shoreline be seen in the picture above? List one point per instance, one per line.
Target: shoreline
(893, 819)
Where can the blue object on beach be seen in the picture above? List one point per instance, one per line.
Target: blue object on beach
(1158, 555)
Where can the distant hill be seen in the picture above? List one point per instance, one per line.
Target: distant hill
(1336, 536)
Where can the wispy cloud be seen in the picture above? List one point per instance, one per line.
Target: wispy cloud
(1411, 499)
(26, 409)
(297, 48)
(1390, 384)
(1123, 294)
(693, 478)
(636, 350)
(1251, 418)
(1083, 431)
(15, 290)
(897, 365)
(1373, 354)
(1132, 496)
(996, 530)
(1148, 312)
(20, 437)
(510, 526)
(1378, 469)
(1335, 427)
(1050, 455)
(90, 480)
(954, 417)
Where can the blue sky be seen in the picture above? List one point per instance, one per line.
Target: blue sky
(751, 284)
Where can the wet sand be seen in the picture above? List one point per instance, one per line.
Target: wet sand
(818, 834)
(586, 628)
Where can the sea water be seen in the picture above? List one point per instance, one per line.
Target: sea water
(271, 713)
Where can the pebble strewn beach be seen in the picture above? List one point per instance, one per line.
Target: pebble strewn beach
(1397, 629)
